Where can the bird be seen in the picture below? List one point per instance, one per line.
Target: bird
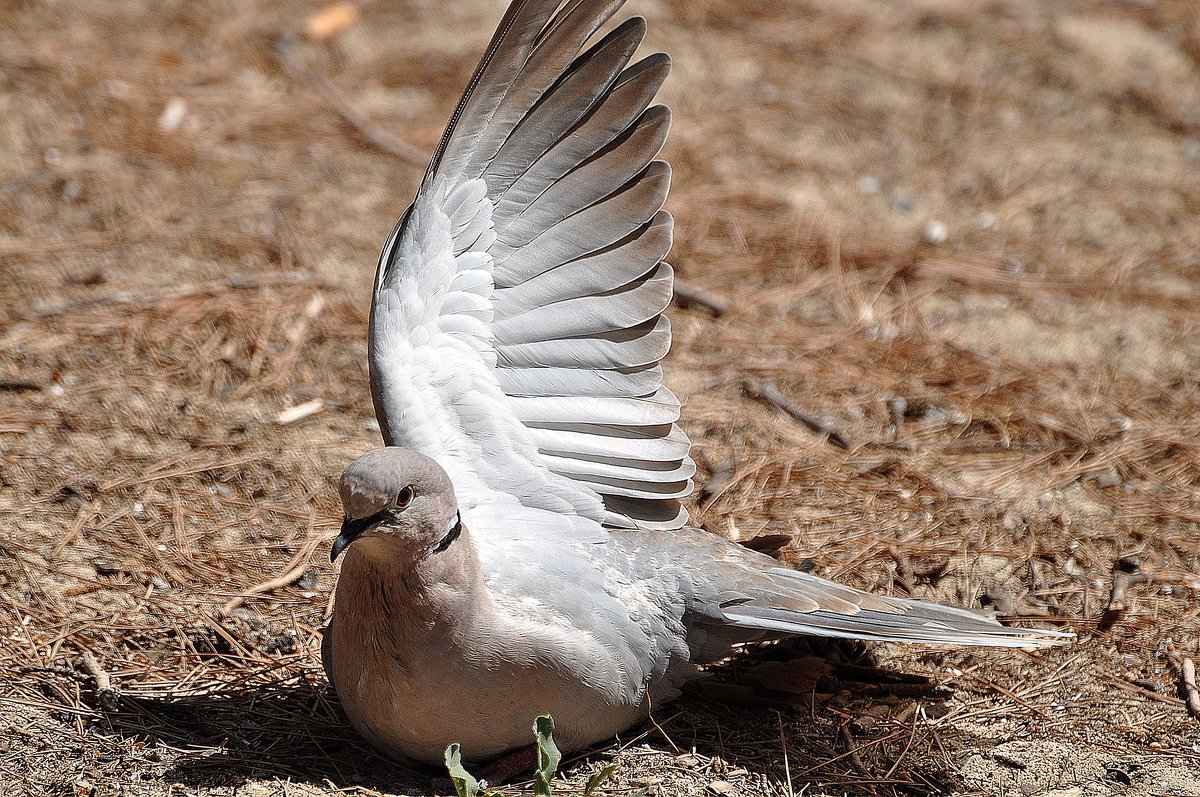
(519, 545)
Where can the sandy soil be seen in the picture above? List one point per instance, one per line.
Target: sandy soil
(960, 233)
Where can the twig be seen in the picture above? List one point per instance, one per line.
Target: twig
(19, 384)
(81, 517)
(1140, 691)
(293, 571)
(299, 412)
(296, 336)
(24, 247)
(852, 751)
(287, 579)
(787, 769)
(1011, 695)
(373, 133)
(107, 696)
(92, 667)
(765, 390)
(148, 476)
(661, 731)
(912, 734)
(689, 295)
(1187, 685)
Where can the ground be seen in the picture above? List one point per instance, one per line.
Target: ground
(961, 235)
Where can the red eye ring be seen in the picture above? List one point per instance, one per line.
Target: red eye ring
(405, 497)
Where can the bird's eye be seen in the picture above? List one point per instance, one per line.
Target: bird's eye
(405, 497)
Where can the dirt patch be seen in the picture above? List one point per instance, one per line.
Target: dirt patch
(1057, 770)
(963, 234)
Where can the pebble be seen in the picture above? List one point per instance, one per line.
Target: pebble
(172, 116)
(935, 232)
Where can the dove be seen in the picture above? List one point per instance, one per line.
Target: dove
(519, 546)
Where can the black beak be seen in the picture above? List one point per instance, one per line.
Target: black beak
(351, 531)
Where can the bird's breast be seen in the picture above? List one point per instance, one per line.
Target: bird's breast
(417, 672)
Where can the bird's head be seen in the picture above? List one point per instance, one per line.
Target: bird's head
(401, 498)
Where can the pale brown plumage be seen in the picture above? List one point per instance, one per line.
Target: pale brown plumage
(520, 547)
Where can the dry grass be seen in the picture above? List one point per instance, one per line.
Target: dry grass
(1020, 400)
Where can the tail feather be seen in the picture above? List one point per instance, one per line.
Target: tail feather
(918, 622)
(853, 614)
(735, 587)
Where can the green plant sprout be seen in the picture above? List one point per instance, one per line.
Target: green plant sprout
(548, 759)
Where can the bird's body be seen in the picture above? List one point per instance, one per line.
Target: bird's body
(477, 668)
(519, 547)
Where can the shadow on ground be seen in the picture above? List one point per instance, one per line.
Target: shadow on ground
(297, 731)
(293, 732)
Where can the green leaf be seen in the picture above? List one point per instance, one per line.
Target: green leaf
(599, 776)
(548, 755)
(464, 784)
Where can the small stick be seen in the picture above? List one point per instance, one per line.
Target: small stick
(787, 769)
(1140, 691)
(689, 295)
(1191, 692)
(108, 696)
(19, 384)
(300, 411)
(372, 132)
(852, 751)
(661, 731)
(918, 709)
(81, 517)
(764, 390)
(92, 667)
(293, 570)
(287, 579)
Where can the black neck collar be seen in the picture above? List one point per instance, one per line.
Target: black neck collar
(451, 535)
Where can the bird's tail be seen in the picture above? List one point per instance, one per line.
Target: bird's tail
(805, 604)
(732, 587)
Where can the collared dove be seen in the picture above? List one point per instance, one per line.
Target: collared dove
(519, 548)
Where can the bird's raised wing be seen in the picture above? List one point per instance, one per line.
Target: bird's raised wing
(517, 327)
